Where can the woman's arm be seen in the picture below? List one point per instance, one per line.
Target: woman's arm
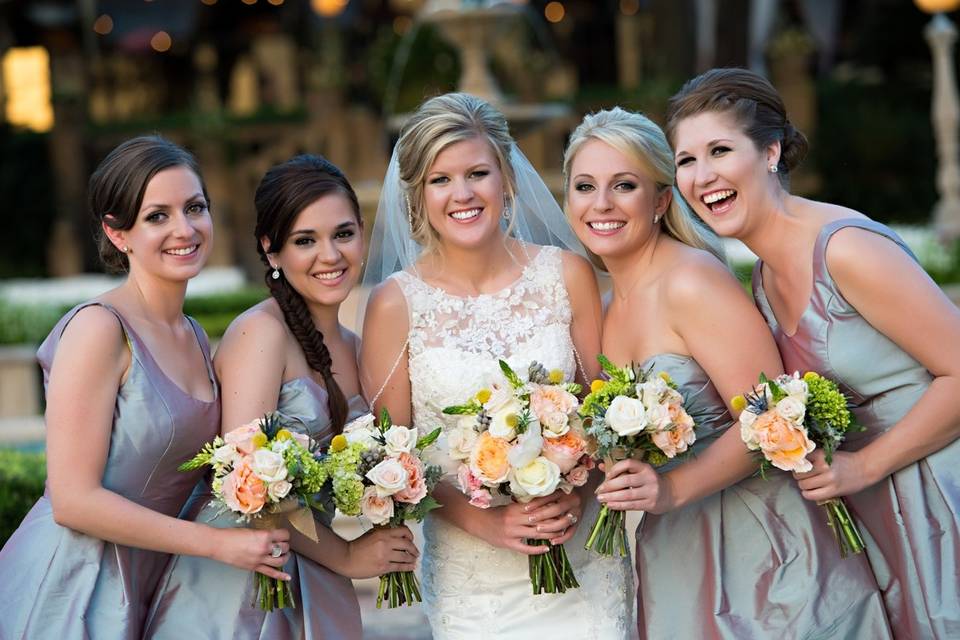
(723, 331)
(895, 296)
(88, 368)
(587, 319)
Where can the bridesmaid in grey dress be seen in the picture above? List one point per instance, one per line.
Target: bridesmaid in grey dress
(131, 393)
(846, 298)
(290, 354)
(719, 554)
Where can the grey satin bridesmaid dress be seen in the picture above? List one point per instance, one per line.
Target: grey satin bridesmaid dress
(202, 598)
(753, 561)
(911, 519)
(62, 584)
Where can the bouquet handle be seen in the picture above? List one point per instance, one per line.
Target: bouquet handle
(844, 527)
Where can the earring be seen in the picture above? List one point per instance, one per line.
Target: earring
(406, 200)
(773, 168)
(276, 273)
(125, 249)
(656, 218)
(506, 211)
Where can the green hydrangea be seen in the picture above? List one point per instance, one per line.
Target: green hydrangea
(826, 404)
(347, 492)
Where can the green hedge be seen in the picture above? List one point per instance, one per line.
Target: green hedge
(22, 475)
(30, 324)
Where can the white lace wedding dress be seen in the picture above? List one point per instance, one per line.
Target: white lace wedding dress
(470, 588)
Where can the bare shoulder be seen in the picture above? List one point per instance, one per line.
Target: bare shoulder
(262, 323)
(694, 276)
(387, 298)
(575, 266)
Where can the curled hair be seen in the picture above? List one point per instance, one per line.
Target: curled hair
(285, 191)
(437, 124)
(754, 104)
(639, 138)
(116, 188)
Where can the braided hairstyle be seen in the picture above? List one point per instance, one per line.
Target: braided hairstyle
(752, 101)
(285, 191)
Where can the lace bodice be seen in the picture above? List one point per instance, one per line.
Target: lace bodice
(471, 589)
(455, 342)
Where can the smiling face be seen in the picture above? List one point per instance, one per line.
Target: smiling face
(612, 200)
(172, 234)
(721, 172)
(463, 194)
(322, 256)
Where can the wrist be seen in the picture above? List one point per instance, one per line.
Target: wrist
(871, 467)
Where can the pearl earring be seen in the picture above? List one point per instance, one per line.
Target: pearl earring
(656, 218)
(773, 168)
(125, 249)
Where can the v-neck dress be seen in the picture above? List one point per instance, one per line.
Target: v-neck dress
(62, 584)
(203, 598)
(753, 561)
(910, 519)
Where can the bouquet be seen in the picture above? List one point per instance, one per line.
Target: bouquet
(633, 414)
(265, 473)
(376, 470)
(787, 418)
(523, 440)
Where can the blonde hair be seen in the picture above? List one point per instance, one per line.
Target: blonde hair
(637, 137)
(437, 124)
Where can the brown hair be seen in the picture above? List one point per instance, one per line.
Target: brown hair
(116, 188)
(285, 191)
(752, 101)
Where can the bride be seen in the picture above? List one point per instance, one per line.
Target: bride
(464, 216)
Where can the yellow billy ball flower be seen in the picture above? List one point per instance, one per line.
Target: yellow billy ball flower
(339, 443)
(739, 403)
(483, 396)
(283, 434)
(597, 385)
(555, 376)
(665, 377)
(810, 376)
(259, 440)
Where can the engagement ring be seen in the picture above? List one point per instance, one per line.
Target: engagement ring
(276, 550)
(573, 518)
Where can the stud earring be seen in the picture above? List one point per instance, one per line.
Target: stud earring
(276, 273)
(656, 218)
(773, 168)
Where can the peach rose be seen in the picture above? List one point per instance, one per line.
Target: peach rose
(242, 490)
(565, 451)
(480, 498)
(552, 405)
(488, 460)
(242, 437)
(673, 441)
(678, 415)
(578, 476)
(783, 443)
(378, 509)
(416, 487)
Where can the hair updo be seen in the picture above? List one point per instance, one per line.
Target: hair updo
(285, 191)
(752, 101)
(116, 188)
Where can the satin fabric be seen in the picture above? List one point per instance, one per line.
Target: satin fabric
(911, 519)
(754, 560)
(202, 598)
(62, 584)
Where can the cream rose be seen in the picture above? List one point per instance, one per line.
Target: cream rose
(461, 439)
(658, 418)
(377, 509)
(795, 386)
(792, 409)
(539, 478)
(278, 490)
(651, 391)
(269, 465)
(626, 416)
(388, 476)
(362, 430)
(399, 440)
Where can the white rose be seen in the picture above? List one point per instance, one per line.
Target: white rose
(269, 466)
(792, 409)
(278, 490)
(301, 439)
(555, 424)
(626, 416)
(652, 390)
(389, 476)
(378, 509)
(795, 386)
(460, 440)
(747, 419)
(399, 440)
(527, 448)
(362, 430)
(658, 418)
(538, 478)
(503, 423)
(226, 455)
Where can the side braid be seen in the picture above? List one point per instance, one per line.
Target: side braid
(298, 318)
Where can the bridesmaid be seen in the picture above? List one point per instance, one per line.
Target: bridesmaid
(290, 354)
(131, 394)
(845, 297)
(720, 554)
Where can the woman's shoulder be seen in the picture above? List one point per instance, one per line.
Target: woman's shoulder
(692, 276)
(263, 322)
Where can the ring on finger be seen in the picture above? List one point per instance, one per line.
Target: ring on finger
(276, 550)
(573, 518)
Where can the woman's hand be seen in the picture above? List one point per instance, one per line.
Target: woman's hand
(632, 485)
(845, 475)
(381, 551)
(546, 518)
(253, 549)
